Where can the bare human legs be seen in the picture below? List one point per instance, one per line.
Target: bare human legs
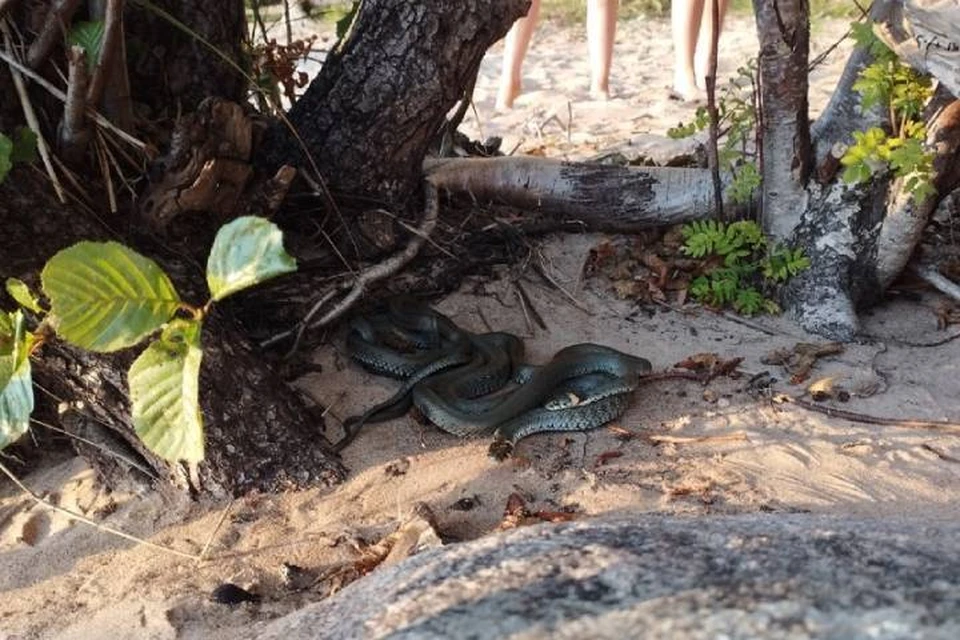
(601, 30)
(692, 25)
(515, 48)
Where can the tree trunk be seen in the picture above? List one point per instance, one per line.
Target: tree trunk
(858, 237)
(381, 96)
(259, 433)
(785, 150)
(171, 70)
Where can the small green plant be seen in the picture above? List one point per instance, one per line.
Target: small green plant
(739, 264)
(736, 107)
(105, 297)
(904, 92)
(21, 148)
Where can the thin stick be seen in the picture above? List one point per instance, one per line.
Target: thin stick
(213, 534)
(736, 436)
(58, 17)
(82, 518)
(369, 275)
(933, 277)
(133, 463)
(938, 425)
(713, 154)
(15, 65)
(32, 120)
(569, 296)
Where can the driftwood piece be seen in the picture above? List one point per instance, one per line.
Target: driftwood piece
(926, 35)
(599, 196)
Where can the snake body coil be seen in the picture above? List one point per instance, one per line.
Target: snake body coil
(449, 375)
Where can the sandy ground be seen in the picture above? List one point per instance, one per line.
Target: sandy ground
(681, 449)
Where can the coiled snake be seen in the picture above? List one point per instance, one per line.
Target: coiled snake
(461, 381)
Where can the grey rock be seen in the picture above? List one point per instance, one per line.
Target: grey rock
(754, 576)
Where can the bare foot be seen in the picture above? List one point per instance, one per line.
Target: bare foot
(600, 93)
(685, 92)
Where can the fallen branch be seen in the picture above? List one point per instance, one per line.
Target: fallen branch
(832, 412)
(938, 281)
(736, 436)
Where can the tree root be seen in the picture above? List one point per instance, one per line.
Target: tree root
(357, 285)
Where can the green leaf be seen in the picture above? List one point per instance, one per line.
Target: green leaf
(343, 24)
(15, 344)
(24, 146)
(105, 296)
(21, 293)
(88, 35)
(16, 404)
(6, 156)
(164, 393)
(247, 251)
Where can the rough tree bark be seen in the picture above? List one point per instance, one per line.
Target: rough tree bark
(369, 116)
(173, 71)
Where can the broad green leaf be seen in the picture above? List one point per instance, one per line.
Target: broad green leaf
(164, 393)
(105, 296)
(20, 292)
(6, 156)
(88, 35)
(16, 405)
(247, 251)
(24, 145)
(15, 345)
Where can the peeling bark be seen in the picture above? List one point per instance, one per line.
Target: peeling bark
(786, 154)
(599, 196)
(926, 35)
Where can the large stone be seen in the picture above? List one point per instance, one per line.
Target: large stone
(769, 576)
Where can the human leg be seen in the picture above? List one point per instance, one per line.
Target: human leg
(685, 18)
(705, 38)
(515, 48)
(601, 31)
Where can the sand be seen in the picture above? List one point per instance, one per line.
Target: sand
(681, 449)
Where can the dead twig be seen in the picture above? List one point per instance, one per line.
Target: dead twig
(736, 436)
(542, 272)
(358, 285)
(832, 412)
(31, 117)
(73, 134)
(100, 119)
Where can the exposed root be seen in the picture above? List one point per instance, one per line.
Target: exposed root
(934, 278)
(354, 288)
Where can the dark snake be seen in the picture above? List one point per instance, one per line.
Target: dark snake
(461, 381)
